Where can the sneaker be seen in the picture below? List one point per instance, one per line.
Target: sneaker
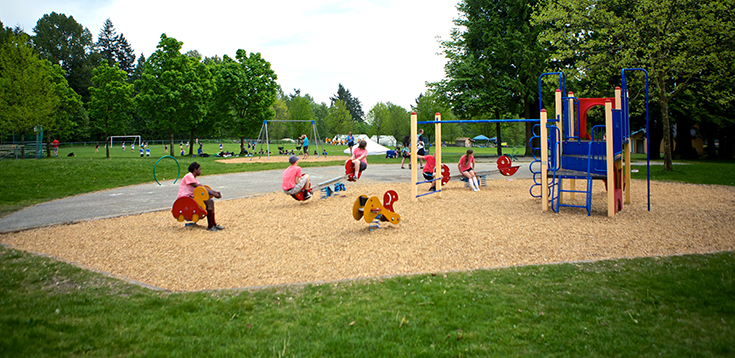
(213, 228)
(432, 189)
(403, 168)
(219, 227)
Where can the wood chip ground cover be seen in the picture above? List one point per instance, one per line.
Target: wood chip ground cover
(273, 239)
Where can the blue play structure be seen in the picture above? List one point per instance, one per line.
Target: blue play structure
(567, 154)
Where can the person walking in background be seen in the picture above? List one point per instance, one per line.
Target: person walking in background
(305, 145)
(350, 141)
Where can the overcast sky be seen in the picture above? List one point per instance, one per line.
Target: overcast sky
(380, 50)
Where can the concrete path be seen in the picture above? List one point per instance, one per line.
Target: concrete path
(151, 197)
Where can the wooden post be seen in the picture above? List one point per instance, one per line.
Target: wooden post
(414, 172)
(544, 139)
(610, 159)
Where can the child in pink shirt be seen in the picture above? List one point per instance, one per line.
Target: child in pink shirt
(466, 167)
(359, 158)
(293, 180)
(188, 183)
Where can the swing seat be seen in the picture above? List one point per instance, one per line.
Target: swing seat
(301, 196)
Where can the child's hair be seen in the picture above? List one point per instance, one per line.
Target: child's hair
(193, 166)
(363, 144)
(467, 157)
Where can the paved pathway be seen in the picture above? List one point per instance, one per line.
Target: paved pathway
(150, 197)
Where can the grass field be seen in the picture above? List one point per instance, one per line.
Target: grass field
(668, 306)
(671, 306)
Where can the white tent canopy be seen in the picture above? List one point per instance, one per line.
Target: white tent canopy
(388, 140)
(372, 147)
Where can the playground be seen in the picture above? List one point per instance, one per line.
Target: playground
(275, 240)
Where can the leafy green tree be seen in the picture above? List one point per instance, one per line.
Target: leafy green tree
(494, 60)
(69, 117)
(679, 43)
(427, 105)
(299, 109)
(63, 41)
(28, 94)
(197, 91)
(170, 95)
(398, 122)
(339, 120)
(246, 89)
(377, 117)
(111, 101)
(353, 103)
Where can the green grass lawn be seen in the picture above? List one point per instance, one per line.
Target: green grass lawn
(672, 306)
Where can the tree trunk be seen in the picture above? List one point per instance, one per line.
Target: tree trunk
(171, 146)
(22, 145)
(191, 143)
(664, 105)
(107, 147)
(242, 144)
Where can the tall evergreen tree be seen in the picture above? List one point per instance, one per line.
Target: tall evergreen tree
(115, 48)
(353, 103)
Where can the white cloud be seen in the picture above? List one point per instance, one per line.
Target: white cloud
(381, 50)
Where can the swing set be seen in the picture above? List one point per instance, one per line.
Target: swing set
(264, 135)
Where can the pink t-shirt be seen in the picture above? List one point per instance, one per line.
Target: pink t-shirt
(185, 189)
(289, 177)
(469, 163)
(357, 152)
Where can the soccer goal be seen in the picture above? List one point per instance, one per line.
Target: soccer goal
(122, 138)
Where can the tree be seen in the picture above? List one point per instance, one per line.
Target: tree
(173, 90)
(63, 41)
(339, 120)
(377, 117)
(353, 103)
(111, 102)
(115, 48)
(69, 114)
(430, 103)
(246, 89)
(677, 41)
(494, 60)
(28, 95)
(299, 109)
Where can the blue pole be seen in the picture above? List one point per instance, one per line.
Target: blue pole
(648, 141)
